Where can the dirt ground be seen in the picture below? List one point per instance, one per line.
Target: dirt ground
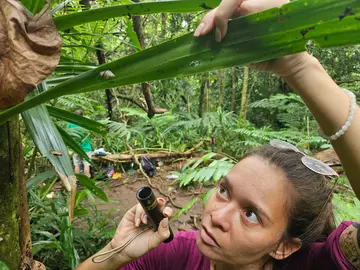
(122, 193)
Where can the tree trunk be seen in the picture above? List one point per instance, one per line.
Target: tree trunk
(244, 94)
(24, 219)
(163, 24)
(188, 100)
(85, 4)
(233, 89)
(147, 94)
(10, 174)
(221, 89)
(102, 60)
(208, 94)
(203, 88)
(144, 86)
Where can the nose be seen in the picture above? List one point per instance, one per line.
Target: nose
(222, 217)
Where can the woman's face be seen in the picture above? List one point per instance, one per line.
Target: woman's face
(244, 219)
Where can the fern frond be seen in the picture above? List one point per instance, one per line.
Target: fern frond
(134, 112)
(195, 170)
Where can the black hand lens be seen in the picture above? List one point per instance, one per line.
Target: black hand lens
(151, 207)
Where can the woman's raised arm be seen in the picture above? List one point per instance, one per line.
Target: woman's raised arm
(328, 103)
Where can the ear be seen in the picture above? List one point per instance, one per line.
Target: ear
(286, 248)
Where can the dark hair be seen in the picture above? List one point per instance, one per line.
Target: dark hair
(79, 112)
(309, 207)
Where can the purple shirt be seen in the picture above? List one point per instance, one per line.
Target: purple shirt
(182, 254)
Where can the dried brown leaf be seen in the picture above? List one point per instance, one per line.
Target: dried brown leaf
(30, 49)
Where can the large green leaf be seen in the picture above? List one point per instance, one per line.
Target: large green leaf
(47, 138)
(39, 178)
(3, 266)
(70, 67)
(262, 36)
(34, 6)
(68, 244)
(77, 119)
(69, 141)
(132, 35)
(68, 21)
(90, 185)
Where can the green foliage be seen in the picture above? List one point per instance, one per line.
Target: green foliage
(65, 22)
(70, 142)
(214, 171)
(347, 207)
(90, 184)
(290, 110)
(204, 197)
(39, 178)
(186, 207)
(47, 138)
(194, 55)
(58, 243)
(77, 119)
(3, 266)
(34, 6)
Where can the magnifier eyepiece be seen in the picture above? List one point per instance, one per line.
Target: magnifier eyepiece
(151, 207)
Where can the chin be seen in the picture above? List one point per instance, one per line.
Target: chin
(206, 250)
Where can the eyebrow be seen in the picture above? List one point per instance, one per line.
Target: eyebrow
(251, 203)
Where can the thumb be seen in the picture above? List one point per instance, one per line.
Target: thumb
(161, 234)
(163, 229)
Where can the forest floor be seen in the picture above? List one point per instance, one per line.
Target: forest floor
(122, 196)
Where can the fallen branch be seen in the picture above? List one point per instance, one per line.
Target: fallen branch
(139, 164)
(148, 179)
(116, 158)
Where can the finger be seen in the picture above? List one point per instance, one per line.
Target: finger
(253, 6)
(167, 212)
(223, 12)
(138, 212)
(161, 202)
(161, 234)
(207, 23)
(144, 218)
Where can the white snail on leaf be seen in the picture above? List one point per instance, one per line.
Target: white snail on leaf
(107, 74)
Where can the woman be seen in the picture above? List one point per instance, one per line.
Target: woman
(271, 211)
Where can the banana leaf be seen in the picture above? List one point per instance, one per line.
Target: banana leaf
(68, 21)
(266, 35)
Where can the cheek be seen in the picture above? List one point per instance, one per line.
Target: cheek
(211, 204)
(256, 240)
(248, 247)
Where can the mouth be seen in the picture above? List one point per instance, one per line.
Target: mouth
(207, 237)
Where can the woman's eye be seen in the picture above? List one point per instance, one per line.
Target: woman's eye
(223, 192)
(251, 216)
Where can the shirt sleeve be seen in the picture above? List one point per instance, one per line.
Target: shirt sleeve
(329, 253)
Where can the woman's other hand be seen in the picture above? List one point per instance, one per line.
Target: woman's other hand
(218, 18)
